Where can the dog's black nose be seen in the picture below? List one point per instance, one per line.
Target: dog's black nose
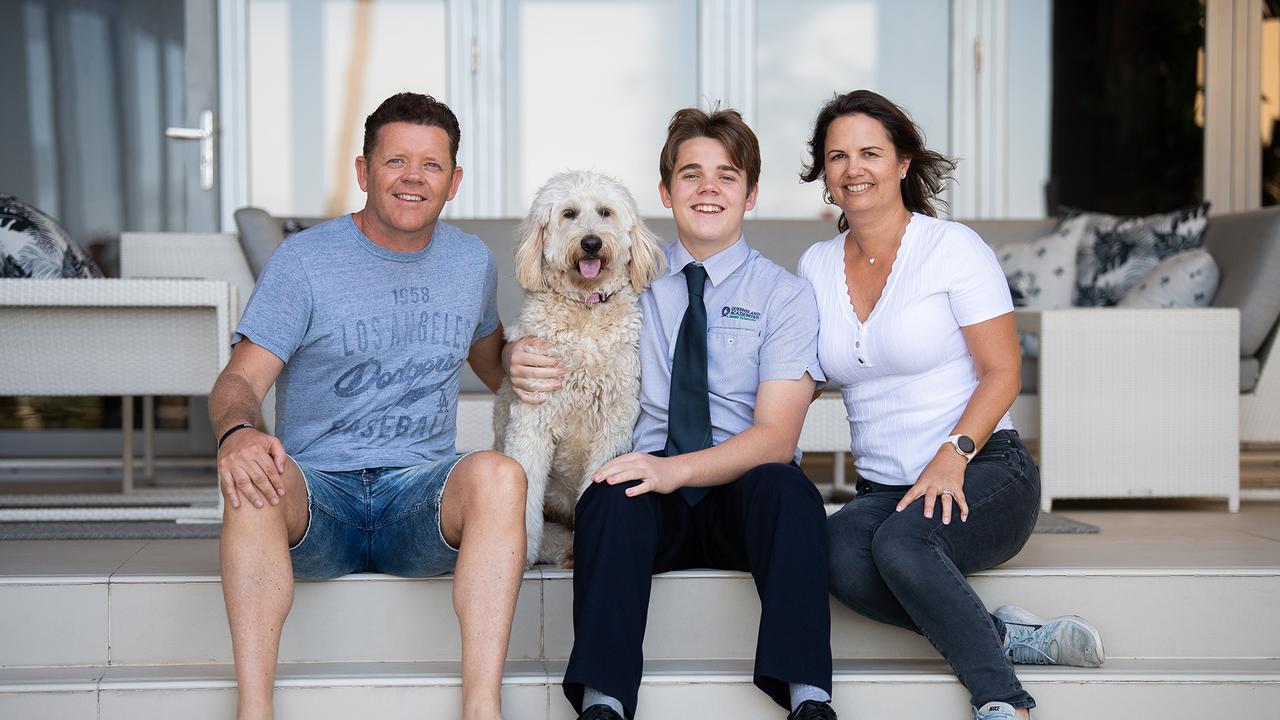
(592, 244)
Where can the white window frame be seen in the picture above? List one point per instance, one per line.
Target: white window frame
(1232, 105)
(475, 63)
(727, 56)
(979, 108)
(233, 109)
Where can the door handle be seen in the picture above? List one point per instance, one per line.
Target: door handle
(204, 134)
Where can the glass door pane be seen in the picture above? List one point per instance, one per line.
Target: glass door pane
(602, 101)
(92, 88)
(809, 50)
(316, 70)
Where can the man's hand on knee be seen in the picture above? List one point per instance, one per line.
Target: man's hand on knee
(531, 369)
(251, 465)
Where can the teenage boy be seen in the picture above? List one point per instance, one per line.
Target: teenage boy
(728, 356)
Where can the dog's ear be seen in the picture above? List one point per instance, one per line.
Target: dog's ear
(529, 240)
(647, 258)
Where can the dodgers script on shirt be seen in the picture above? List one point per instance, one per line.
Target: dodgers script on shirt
(414, 387)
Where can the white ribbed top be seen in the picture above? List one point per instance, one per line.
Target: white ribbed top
(906, 373)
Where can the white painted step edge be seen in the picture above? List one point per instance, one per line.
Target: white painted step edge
(525, 673)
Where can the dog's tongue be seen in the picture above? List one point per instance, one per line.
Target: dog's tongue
(589, 267)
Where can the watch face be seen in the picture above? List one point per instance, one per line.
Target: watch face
(966, 444)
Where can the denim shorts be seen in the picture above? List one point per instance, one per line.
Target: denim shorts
(375, 520)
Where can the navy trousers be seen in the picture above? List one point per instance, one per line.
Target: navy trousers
(769, 522)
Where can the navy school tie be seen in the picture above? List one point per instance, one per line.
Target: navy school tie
(689, 409)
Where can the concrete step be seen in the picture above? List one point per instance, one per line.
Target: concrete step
(909, 690)
(160, 602)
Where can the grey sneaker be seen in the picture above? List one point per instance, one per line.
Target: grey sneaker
(995, 711)
(1067, 640)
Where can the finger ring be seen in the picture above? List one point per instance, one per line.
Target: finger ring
(946, 492)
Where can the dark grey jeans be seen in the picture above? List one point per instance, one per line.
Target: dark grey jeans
(904, 569)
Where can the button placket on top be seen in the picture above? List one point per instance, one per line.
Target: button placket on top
(860, 326)
(859, 342)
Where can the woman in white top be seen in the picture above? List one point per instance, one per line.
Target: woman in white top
(917, 329)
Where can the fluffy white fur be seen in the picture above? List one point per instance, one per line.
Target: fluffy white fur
(592, 325)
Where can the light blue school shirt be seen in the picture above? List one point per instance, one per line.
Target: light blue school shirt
(762, 324)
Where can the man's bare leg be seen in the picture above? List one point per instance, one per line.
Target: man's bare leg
(257, 584)
(482, 514)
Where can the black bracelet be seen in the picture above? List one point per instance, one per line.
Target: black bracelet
(227, 434)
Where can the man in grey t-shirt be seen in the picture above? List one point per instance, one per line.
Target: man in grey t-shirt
(362, 324)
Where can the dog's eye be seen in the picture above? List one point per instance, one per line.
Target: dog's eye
(605, 212)
(569, 213)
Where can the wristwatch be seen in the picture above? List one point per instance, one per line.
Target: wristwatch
(963, 445)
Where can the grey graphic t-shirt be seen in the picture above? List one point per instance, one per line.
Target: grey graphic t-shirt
(373, 342)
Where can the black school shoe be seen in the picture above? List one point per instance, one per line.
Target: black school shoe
(604, 712)
(813, 710)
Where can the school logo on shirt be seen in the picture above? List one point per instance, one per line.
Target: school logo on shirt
(737, 313)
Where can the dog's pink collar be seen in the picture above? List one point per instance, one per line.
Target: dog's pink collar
(592, 299)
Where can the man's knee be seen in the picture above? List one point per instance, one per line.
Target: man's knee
(491, 479)
(292, 507)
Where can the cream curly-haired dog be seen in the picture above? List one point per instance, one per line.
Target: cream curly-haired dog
(583, 256)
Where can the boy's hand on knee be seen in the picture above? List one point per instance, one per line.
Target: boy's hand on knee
(656, 474)
(251, 465)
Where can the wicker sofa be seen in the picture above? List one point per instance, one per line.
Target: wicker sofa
(1125, 403)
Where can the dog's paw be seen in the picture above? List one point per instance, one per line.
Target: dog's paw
(566, 560)
(556, 541)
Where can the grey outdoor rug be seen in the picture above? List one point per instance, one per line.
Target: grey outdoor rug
(1051, 524)
(1048, 523)
(120, 530)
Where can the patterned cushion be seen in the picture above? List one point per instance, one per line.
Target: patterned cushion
(33, 245)
(1042, 272)
(1188, 279)
(1117, 252)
